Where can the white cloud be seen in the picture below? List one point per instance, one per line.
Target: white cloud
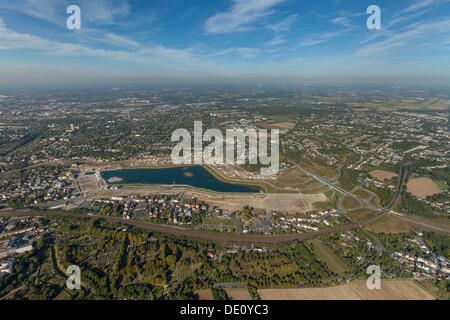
(410, 13)
(94, 11)
(419, 5)
(413, 34)
(152, 57)
(240, 15)
(42, 9)
(276, 41)
(407, 17)
(312, 42)
(242, 51)
(103, 11)
(284, 25)
(322, 37)
(341, 21)
(110, 38)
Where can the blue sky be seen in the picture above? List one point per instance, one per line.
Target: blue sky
(264, 40)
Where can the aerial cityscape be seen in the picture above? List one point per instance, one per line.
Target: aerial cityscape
(224, 166)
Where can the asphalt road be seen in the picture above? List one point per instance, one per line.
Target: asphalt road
(405, 218)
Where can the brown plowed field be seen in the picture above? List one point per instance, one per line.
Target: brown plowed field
(390, 290)
(382, 175)
(423, 187)
(238, 294)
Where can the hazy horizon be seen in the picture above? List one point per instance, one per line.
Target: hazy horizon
(283, 42)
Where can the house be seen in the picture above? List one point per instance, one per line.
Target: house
(6, 267)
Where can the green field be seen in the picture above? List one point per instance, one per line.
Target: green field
(361, 214)
(441, 184)
(325, 254)
(281, 118)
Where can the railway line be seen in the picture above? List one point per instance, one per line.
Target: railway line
(178, 231)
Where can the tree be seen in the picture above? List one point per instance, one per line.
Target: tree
(219, 294)
(41, 242)
(171, 260)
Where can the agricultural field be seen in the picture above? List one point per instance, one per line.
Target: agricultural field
(324, 253)
(238, 294)
(279, 122)
(390, 225)
(382, 175)
(361, 214)
(390, 290)
(412, 104)
(321, 170)
(295, 179)
(350, 203)
(423, 187)
(278, 125)
(442, 184)
(282, 118)
(205, 294)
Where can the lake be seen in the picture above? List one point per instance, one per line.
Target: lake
(195, 176)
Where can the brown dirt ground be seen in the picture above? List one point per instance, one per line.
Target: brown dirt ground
(382, 174)
(350, 203)
(292, 178)
(361, 214)
(390, 290)
(362, 194)
(423, 187)
(389, 224)
(238, 294)
(286, 202)
(205, 294)
(278, 125)
(323, 171)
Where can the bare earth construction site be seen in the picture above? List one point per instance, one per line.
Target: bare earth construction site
(94, 186)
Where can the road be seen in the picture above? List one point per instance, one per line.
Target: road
(405, 218)
(389, 208)
(394, 202)
(336, 188)
(398, 190)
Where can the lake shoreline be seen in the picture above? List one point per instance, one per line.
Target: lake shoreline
(192, 176)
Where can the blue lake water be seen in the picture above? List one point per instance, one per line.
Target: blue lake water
(195, 176)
